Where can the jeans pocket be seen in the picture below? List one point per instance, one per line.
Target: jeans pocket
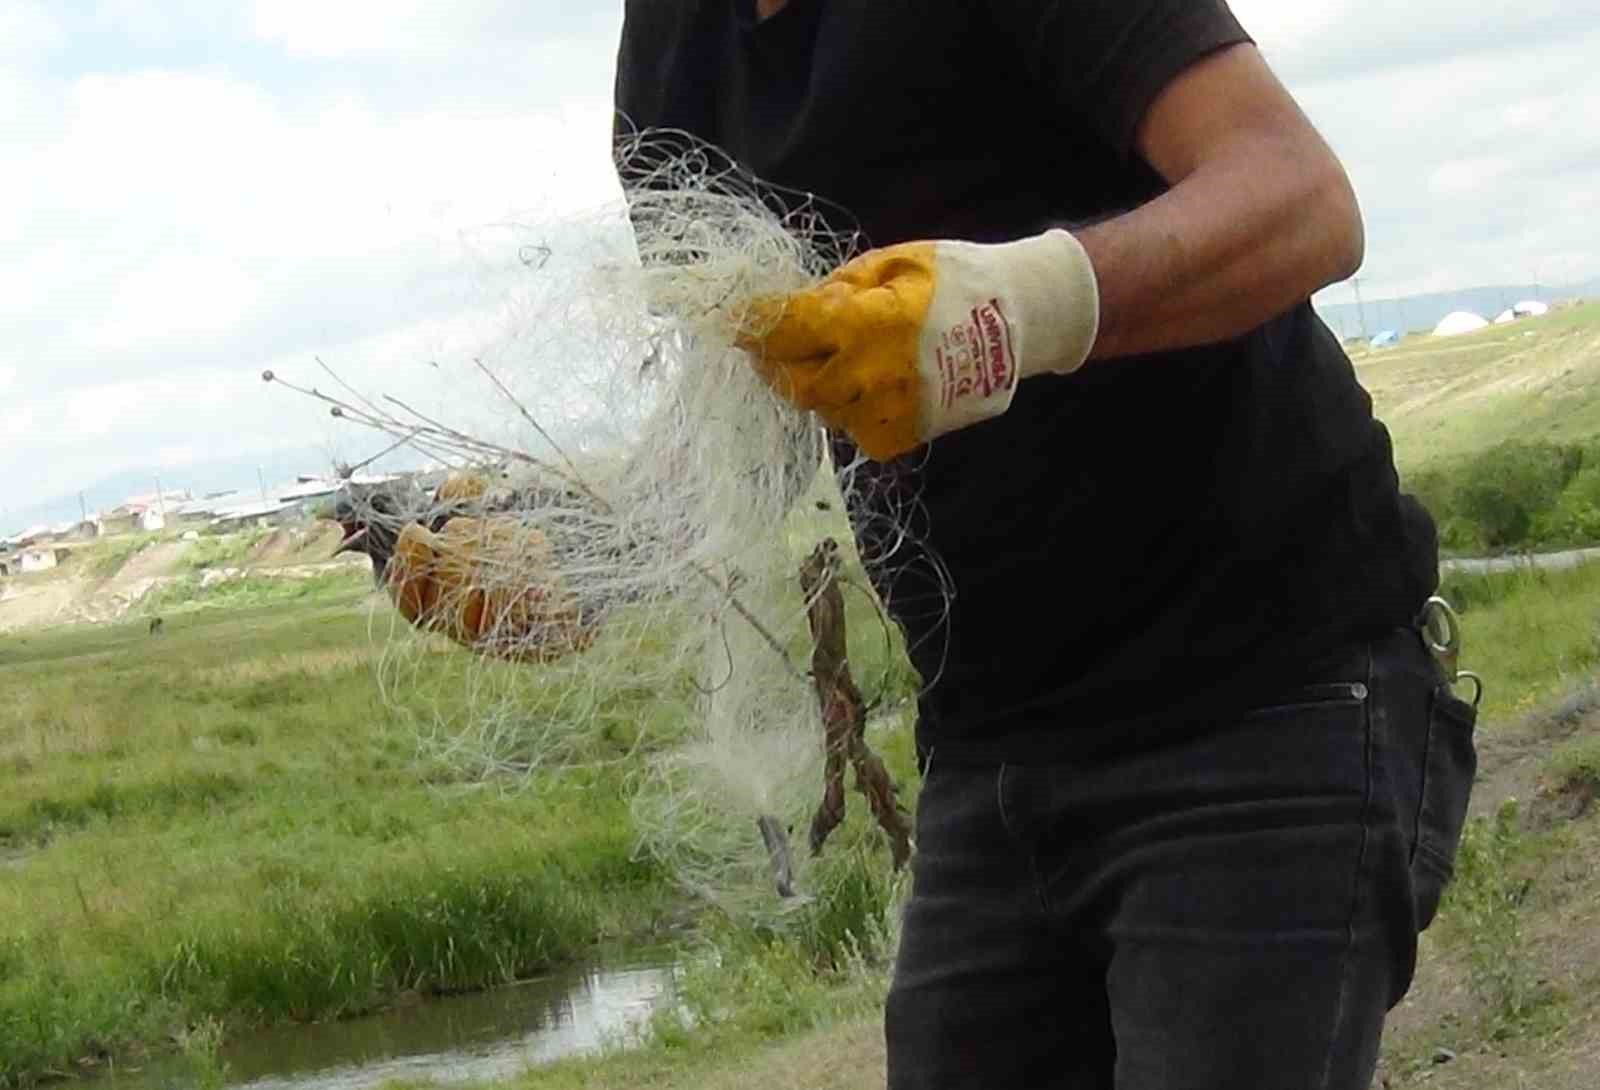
(1311, 698)
(1449, 764)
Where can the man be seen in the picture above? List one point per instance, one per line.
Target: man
(1192, 782)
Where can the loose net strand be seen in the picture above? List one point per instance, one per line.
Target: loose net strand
(634, 562)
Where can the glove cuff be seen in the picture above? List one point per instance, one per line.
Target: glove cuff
(1055, 301)
(999, 314)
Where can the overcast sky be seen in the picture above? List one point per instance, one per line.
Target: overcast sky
(192, 193)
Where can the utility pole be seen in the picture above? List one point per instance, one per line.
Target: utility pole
(262, 481)
(161, 500)
(83, 507)
(1361, 312)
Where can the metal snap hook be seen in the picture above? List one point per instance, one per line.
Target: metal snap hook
(1441, 632)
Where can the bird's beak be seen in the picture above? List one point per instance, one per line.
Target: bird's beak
(351, 539)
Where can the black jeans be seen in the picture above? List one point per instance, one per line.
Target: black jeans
(1237, 910)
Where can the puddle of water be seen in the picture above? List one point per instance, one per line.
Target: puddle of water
(493, 1035)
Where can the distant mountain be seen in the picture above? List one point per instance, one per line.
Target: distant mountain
(1420, 313)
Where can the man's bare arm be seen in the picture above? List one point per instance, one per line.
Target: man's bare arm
(1259, 216)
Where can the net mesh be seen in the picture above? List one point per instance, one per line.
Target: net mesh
(621, 533)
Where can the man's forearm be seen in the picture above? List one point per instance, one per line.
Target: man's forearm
(1233, 245)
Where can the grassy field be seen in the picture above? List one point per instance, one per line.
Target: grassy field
(228, 825)
(225, 821)
(1532, 635)
(1444, 398)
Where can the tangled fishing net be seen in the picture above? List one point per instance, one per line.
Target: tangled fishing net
(622, 536)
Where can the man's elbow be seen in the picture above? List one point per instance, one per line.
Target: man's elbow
(1345, 236)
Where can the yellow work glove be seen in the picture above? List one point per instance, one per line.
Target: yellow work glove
(910, 342)
(489, 584)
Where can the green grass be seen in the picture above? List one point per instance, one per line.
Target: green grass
(227, 825)
(1574, 767)
(225, 822)
(1483, 916)
(1445, 399)
(187, 593)
(220, 550)
(1532, 635)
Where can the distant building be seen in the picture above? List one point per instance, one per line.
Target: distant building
(307, 493)
(1528, 308)
(87, 530)
(164, 498)
(147, 512)
(201, 511)
(37, 559)
(263, 514)
(33, 535)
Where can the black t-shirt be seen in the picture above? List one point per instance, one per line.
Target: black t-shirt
(1130, 549)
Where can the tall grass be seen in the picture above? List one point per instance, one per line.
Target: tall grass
(1530, 633)
(226, 822)
(189, 593)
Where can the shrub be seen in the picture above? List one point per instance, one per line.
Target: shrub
(1514, 495)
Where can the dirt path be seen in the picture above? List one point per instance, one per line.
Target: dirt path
(1433, 1038)
(30, 605)
(1512, 757)
(149, 563)
(1488, 565)
(143, 572)
(291, 553)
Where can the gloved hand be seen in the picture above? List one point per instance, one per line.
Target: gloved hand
(910, 342)
(488, 584)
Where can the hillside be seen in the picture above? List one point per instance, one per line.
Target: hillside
(1538, 378)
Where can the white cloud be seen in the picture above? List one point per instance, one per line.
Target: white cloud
(190, 193)
(171, 299)
(1463, 176)
(318, 29)
(1282, 28)
(28, 29)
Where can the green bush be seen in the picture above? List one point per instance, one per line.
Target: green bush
(1575, 517)
(1516, 495)
(1506, 489)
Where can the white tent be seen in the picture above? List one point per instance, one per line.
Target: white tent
(1530, 308)
(1457, 323)
(1506, 317)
